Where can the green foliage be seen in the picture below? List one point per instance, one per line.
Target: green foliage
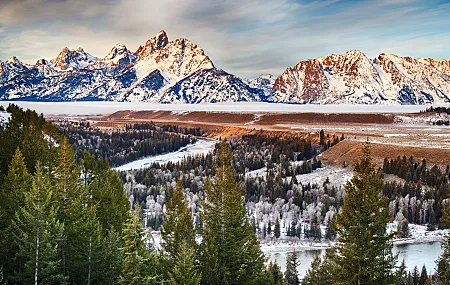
(275, 274)
(177, 232)
(364, 249)
(276, 230)
(230, 251)
(184, 271)
(39, 234)
(16, 184)
(291, 273)
(140, 265)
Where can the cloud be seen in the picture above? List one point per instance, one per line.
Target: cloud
(243, 37)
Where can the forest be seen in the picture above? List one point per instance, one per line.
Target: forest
(123, 146)
(67, 218)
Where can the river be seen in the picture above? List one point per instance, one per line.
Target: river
(414, 254)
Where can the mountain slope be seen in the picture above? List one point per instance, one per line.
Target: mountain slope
(352, 78)
(159, 71)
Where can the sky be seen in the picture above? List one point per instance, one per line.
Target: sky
(246, 38)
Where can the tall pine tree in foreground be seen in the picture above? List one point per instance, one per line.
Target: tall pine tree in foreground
(291, 274)
(39, 235)
(140, 265)
(16, 184)
(178, 239)
(364, 249)
(230, 251)
(443, 263)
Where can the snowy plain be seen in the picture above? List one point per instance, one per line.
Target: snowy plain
(101, 108)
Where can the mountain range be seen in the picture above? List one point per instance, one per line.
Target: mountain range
(179, 71)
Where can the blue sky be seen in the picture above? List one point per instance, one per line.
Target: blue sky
(246, 38)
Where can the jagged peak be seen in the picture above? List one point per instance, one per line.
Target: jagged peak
(13, 60)
(40, 62)
(118, 49)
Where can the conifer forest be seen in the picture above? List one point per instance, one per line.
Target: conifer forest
(69, 216)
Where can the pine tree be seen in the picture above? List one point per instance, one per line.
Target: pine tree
(291, 274)
(276, 230)
(230, 250)
(16, 184)
(364, 250)
(443, 263)
(402, 274)
(107, 191)
(275, 274)
(111, 258)
(423, 276)
(177, 230)
(39, 234)
(140, 265)
(184, 271)
(415, 275)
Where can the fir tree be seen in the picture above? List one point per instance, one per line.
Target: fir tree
(275, 274)
(16, 184)
(415, 276)
(423, 276)
(276, 230)
(177, 231)
(443, 263)
(39, 234)
(140, 265)
(364, 250)
(230, 250)
(184, 271)
(291, 274)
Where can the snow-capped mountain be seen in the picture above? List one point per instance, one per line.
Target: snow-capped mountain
(160, 71)
(179, 71)
(352, 78)
(263, 82)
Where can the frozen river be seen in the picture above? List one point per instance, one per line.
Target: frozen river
(413, 254)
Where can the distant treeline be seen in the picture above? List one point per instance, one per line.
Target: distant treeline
(121, 147)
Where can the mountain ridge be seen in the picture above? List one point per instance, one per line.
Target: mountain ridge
(179, 71)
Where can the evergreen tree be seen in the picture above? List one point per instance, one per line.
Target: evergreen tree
(108, 194)
(291, 273)
(402, 274)
(140, 265)
(275, 274)
(415, 276)
(364, 250)
(423, 276)
(15, 185)
(443, 263)
(111, 258)
(39, 234)
(276, 230)
(184, 271)
(230, 250)
(177, 231)
(318, 272)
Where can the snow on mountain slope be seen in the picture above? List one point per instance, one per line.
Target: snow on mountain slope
(263, 82)
(211, 85)
(179, 71)
(160, 71)
(352, 78)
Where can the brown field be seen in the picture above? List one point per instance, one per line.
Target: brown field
(389, 136)
(349, 151)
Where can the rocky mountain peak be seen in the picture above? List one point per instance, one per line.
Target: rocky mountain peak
(14, 60)
(155, 43)
(73, 59)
